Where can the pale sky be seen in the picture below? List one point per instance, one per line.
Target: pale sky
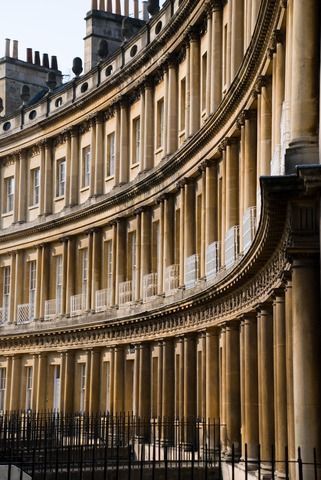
(56, 27)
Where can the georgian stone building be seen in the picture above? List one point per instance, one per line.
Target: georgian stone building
(160, 214)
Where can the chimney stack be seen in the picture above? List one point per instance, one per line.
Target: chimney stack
(29, 55)
(118, 7)
(102, 5)
(54, 62)
(136, 13)
(45, 60)
(94, 4)
(7, 49)
(37, 58)
(15, 49)
(109, 7)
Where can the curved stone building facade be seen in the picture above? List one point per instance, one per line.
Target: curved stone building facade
(159, 243)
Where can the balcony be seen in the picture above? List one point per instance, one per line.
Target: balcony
(150, 286)
(25, 313)
(191, 271)
(125, 292)
(4, 316)
(231, 246)
(213, 259)
(171, 278)
(52, 309)
(249, 228)
(77, 304)
(103, 299)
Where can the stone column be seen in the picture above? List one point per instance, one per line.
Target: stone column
(74, 166)
(119, 380)
(194, 82)
(117, 145)
(41, 383)
(67, 382)
(172, 107)
(232, 183)
(210, 203)
(99, 158)
(90, 270)
(182, 234)
(159, 381)
(15, 390)
(19, 281)
(306, 341)
(216, 63)
(92, 156)
(145, 254)
(64, 300)
(209, 60)
(280, 401)
(168, 385)
(189, 220)
(70, 273)
(43, 277)
(212, 382)
(233, 407)
(278, 90)
(20, 203)
(289, 372)
(250, 146)
(237, 36)
(265, 381)
(120, 258)
(124, 142)
(251, 430)
(46, 180)
(305, 72)
(144, 380)
(265, 132)
(148, 157)
(96, 266)
(114, 293)
(94, 381)
(168, 257)
(38, 282)
(136, 381)
(189, 388)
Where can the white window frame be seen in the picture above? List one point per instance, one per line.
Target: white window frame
(86, 167)
(59, 283)
(6, 291)
(9, 186)
(136, 146)
(29, 386)
(82, 385)
(61, 178)
(3, 387)
(32, 287)
(35, 186)
(111, 154)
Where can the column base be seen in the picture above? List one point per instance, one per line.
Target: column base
(301, 153)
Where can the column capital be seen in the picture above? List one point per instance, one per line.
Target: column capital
(193, 33)
(278, 293)
(264, 308)
(262, 81)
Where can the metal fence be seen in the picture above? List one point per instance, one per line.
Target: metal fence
(79, 446)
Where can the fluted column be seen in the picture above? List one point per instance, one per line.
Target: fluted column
(148, 157)
(194, 82)
(265, 381)
(189, 387)
(265, 99)
(46, 180)
(189, 220)
(138, 294)
(280, 401)
(145, 225)
(209, 60)
(124, 142)
(182, 235)
(144, 380)
(98, 159)
(19, 281)
(119, 380)
(169, 232)
(278, 90)
(172, 107)
(233, 407)
(168, 385)
(251, 427)
(64, 276)
(306, 338)
(216, 63)
(210, 203)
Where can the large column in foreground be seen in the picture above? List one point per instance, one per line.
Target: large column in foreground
(306, 338)
(305, 76)
(216, 50)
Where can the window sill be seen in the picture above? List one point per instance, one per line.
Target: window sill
(7, 214)
(134, 165)
(58, 199)
(33, 207)
(108, 179)
(84, 189)
(159, 150)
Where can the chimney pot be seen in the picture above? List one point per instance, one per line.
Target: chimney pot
(15, 49)
(45, 60)
(126, 9)
(94, 4)
(102, 5)
(109, 7)
(37, 58)
(145, 11)
(54, 62)
(118, 7)
(29, 55)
